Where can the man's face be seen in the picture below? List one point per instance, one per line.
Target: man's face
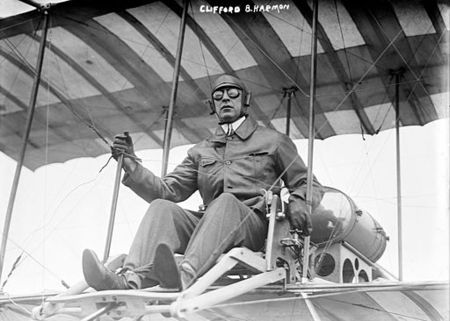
(228, 103)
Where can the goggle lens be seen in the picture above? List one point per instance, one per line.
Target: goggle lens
(231, 92)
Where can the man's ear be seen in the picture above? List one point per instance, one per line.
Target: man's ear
(211, 107)
(247, 99)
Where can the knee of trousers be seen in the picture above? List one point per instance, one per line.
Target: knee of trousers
(225, 199)
(225, 203)
(161, 209)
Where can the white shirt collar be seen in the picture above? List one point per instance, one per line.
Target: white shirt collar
(234, 125)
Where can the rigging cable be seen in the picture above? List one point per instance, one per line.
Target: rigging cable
(76, 188)
(90, 123)
(223, 59)
(361, 125)
(19, 262)
(71, 109)
(401, 55)
(13, 268)
(201, 50)
(297, 70)
(374, 63)
(387, 110)
(363, 165)
(343, 40)
(19, 56)
(270, 58)
(423, 68)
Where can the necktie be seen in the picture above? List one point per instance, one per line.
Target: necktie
(230, 130)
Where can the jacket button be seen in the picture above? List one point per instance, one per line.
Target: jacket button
(227, 162)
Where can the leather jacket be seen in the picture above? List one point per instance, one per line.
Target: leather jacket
(252, 159)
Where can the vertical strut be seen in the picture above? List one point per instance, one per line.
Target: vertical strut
(25, 137)
(112, 215)
(173, 94)
(311, 133)
(399, 183)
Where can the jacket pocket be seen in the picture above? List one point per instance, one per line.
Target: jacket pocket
(207, 168)
(205, 162)
(262, 166)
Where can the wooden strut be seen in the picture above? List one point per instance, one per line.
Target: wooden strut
(26, 135)
(311, 135)
(112, 215)
(193, 298)
(173, 94)
(399, 183)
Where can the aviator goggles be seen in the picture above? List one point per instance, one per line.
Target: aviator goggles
(232, 92)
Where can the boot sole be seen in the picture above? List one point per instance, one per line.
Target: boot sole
(92, 270)
(166, 268)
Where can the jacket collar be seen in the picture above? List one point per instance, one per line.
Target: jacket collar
(244, 131)
(234, 125)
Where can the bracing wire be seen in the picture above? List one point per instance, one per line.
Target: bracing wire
(364, 165)
(20, 57)
(257, 46)
(300, 49)
(219, 62)
(65, 89)
(415, 83)
(66, 197)
(71, 109)
(343, 40)
(13, 268)
(401, 55)
(356, 85)
(387, 111)
(346, 59)
(371, 165)
(301, 29)
(201, 50)
(19, 262)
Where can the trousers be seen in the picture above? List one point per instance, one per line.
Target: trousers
(225, 224)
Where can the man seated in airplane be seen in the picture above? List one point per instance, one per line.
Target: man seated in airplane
(230, 169)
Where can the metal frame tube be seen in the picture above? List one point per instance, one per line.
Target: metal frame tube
(25, 137)
(311, 133)
(173, 95)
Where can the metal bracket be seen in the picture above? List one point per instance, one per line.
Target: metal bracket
(187, 305)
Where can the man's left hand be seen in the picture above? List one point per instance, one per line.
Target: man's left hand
(299, 216)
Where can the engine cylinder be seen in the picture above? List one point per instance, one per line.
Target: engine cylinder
(338, 219)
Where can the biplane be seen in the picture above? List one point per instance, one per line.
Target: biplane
(75, 73)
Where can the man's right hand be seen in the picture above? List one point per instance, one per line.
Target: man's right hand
(123, 144)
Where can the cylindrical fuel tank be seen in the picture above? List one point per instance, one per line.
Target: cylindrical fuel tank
(338, 219)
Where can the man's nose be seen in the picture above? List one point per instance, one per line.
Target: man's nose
(225, 96)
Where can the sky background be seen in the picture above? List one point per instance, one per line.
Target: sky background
(63, 208)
